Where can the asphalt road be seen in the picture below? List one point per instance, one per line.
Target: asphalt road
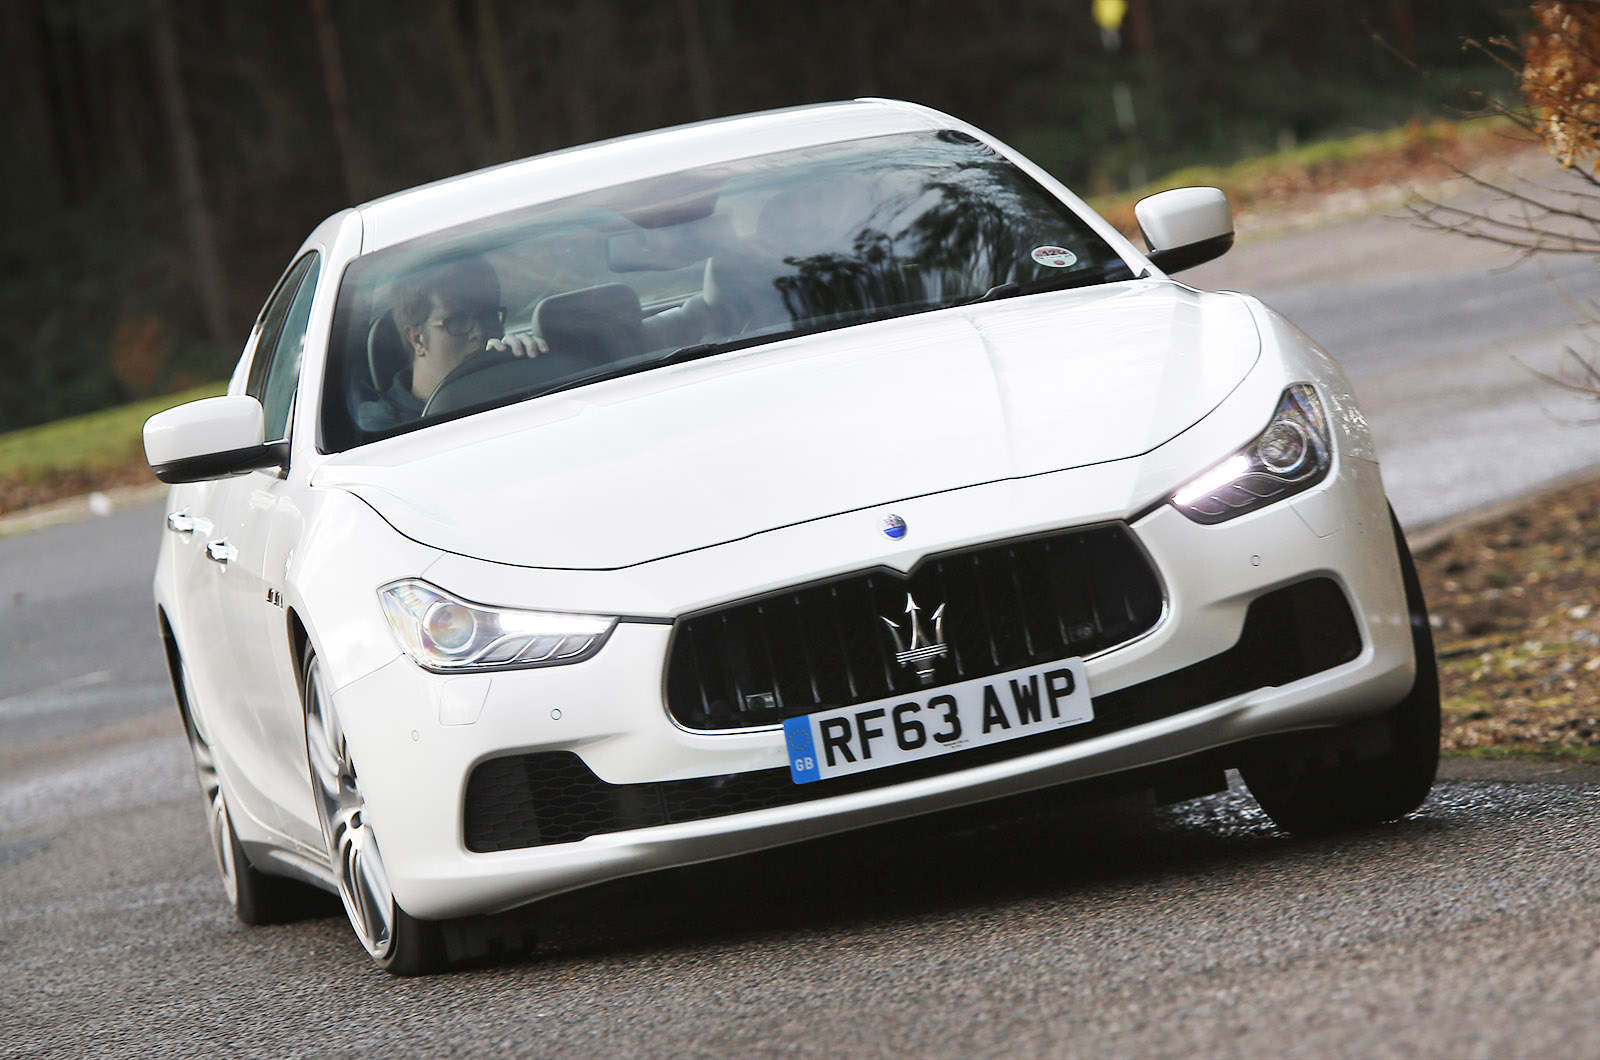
(1025, 929)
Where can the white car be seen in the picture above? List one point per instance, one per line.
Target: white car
(717, 488)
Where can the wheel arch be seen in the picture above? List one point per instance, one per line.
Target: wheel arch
(174, 657)
(299, 644)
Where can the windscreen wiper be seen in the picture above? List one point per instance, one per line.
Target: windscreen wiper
(697, 350)
(616, 371)
(1108, 273)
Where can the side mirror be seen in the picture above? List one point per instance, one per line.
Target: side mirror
(1185, 227)
(210, 438)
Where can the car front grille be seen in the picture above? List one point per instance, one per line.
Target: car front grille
(545, 797)
(991, 609)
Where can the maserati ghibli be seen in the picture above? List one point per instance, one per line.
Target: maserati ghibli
(705, 490)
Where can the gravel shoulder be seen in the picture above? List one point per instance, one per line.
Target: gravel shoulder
(1517, 627)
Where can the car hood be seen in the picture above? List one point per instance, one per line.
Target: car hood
(692, 455)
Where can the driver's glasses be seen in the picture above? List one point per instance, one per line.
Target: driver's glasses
(492, 319)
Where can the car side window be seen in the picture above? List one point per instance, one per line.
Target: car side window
(276, 367)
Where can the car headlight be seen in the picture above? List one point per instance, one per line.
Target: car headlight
(1292, 454)
(446, 634)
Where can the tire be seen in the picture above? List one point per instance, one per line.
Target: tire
(256, 897)
(397, 942)
(1321, 783)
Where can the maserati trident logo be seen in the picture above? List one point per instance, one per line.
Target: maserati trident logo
(918, 652)
(894, 527)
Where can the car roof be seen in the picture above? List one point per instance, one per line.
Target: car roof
(458, 200)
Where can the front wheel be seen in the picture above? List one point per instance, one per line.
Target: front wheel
(397, 942)
(1375, 771)
(256, 897)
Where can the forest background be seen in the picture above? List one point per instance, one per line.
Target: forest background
(164, 158)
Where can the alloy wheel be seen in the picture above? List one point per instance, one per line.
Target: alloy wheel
(352, 847)
(219, 826)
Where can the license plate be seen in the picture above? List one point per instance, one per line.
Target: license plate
(988, 710)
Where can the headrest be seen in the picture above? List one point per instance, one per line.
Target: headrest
(582, 308)
(602, 322)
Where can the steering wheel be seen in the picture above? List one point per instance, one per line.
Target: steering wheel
(496, 374)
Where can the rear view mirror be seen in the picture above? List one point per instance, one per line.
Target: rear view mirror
(210, 438)
(1185, 227)
(663, 249)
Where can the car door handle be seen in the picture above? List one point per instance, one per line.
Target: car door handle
(180, 522)
(221, 552)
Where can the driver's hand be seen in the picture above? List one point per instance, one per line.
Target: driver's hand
(519, 344)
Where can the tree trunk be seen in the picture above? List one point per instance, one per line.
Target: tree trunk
(1141, 28)
(191, 184)
(333, 85)
(695, 58)
(579, 46)
(466, 85)
(1402, 19)
(497, 81)
(37, 157)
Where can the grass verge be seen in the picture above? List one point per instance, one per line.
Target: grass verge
(1522, 751)
(93, 451)
(1416, 154)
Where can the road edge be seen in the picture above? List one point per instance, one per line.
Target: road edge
(95, 504)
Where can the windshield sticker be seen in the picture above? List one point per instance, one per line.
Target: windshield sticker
(1055, 257)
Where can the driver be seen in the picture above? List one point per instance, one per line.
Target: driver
(446, 315)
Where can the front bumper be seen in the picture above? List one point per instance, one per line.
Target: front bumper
(418, 737)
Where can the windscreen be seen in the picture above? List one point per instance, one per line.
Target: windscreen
(628, 278)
